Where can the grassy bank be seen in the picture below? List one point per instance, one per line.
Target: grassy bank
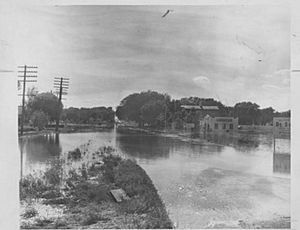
(80, 197)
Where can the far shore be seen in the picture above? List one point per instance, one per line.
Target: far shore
(177, 134)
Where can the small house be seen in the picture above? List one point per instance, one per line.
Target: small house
(219, 124)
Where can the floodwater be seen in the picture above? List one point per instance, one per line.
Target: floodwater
(202, 185)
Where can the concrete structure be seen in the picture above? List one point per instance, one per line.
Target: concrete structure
(219, 124)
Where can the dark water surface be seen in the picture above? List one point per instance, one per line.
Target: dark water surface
(200, 184)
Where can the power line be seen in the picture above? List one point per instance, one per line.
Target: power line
(25, 69)
(61, 85)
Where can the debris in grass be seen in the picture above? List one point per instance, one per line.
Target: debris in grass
(119, 195)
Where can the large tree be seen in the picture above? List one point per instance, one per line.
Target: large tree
(266, 115)
(154, 113)
(247, 112)
(139, 107)
(47, 103)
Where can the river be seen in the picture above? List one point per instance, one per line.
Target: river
(202, 185)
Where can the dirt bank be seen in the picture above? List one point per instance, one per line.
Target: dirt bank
(81, 198)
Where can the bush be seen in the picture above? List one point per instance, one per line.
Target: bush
(110, 162)
(75, 154)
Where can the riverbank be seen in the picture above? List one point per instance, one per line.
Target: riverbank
(70, 197)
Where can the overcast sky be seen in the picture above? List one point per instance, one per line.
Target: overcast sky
(230, 53)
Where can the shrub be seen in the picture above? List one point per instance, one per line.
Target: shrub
(75, 154)
(53, 174)
(110, 162)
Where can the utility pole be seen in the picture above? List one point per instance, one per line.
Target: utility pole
(61, 85)
(32, 71)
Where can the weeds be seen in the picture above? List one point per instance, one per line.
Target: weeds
(53, 174)
(75, 154)
(30, 212)
(110, 162)
(87, 198)
(32, 187)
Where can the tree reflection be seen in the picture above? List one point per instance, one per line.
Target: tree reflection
(241, 142)
(144, 146)
(40, 148)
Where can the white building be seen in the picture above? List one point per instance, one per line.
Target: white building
(219, 124)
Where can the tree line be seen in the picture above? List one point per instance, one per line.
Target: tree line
(96, 115)
(154, 109)
(44, 108)
(148, 108)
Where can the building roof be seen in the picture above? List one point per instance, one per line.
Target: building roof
(199, 107)
(191, 106)
(210, 107)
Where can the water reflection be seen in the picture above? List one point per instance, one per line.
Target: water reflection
(240, 141)
(282, 163)
(41, 147)
(248, 153)
(144, 146)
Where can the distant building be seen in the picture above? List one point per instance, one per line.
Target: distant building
(210, 110)
(190, 107)
(199, 111)
(219, 124)
(203, 110)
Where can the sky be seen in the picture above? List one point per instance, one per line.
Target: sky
(231, 53)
